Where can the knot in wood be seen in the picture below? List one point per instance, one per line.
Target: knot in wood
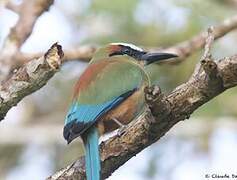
(209, 66)
(152, 93)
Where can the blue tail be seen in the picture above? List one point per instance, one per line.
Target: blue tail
(91, 141)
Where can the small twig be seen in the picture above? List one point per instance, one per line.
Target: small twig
(207, 63)
(208, 44)
(213, 75)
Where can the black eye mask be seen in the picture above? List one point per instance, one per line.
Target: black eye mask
(126, 50)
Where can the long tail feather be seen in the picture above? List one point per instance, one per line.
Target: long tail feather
(91, 141)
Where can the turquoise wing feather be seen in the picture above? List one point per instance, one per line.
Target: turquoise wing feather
(80, 116)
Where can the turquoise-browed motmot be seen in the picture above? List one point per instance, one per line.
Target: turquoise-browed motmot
(108, 93)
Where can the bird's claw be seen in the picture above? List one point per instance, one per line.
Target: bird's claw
(121, 130)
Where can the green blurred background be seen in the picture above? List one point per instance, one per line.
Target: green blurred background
(31, 142)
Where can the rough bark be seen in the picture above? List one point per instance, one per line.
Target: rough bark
(29, 78)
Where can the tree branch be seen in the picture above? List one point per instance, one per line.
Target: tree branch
(186, 48)
(28, 11)
(232, 3)
(29, 78)
(83, 53)
(183, 49)
(12, 6)
(206, 82)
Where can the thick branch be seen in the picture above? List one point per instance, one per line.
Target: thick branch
(167, 111)
(29, 78)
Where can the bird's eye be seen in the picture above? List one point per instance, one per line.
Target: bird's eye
(126, 51)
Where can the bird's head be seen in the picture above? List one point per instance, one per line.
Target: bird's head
(125, 49)
(137, 53)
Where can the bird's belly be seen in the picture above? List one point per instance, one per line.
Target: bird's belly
(124, 113)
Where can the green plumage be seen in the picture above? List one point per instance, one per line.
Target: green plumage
(118, 76)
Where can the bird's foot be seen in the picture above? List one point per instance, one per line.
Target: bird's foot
(121, 130)
(122, 127)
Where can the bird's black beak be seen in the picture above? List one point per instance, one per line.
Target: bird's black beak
(150, 58)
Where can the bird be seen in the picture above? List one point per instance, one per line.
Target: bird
(108, 94)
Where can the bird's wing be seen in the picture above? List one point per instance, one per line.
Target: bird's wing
(101, 87)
